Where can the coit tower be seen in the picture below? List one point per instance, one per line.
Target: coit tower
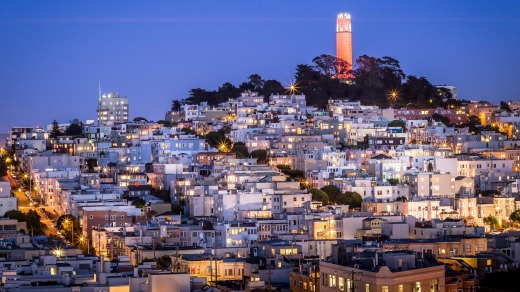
(344, 38)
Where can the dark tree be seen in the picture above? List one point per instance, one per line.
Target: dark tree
(330, 66)
(139, 203)
(398, 123)
(505, 106)
(65, 220)
(260, 155)
(440, 118)
(55, 130)
(214, 138)
(401, 199)
(515, 216)
(352, 199)
(3, 167)
(271, 87)
(164, 123)
(319, 195)
(91, 163)
(176, 105)
(256, 81)
(306, 75)
(393, 181)
(74, 130)
(332, 191)
(33, 220)
(139, 119)
(240, 149)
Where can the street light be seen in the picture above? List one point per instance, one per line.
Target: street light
(26, 176)
(82, 240)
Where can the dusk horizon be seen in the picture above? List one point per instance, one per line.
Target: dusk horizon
(55, 54)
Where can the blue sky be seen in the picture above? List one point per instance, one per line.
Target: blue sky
(53, 53)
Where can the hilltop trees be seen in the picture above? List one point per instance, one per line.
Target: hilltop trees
(376, 81)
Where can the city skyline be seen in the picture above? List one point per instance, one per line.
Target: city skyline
(55, 55)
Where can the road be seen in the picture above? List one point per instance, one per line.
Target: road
(27, 202)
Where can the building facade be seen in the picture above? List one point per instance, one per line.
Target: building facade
(112, 109)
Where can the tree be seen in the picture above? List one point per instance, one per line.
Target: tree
(176, 105)
(260, 155)
(74, 130)
(240, 149)
(91, 163)
(164, 262)
(515, 216)
(330, 66)
(256, 81)
(3, 166)
(398, 123)
(490, 193)
(213, 138)
(55, 130)
(352, 199)
(491, 220)
(271, 87)
(440, 118)
(164, 123)
(140, 119)
(401, 199)
(393, 181)
(505, 106)
(139, 203)
(332, 191)
(319, 195)
(430, 167)
(31, 217)
(65, 220)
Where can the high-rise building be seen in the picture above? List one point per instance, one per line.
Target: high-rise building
(112, 109)
(344, 38)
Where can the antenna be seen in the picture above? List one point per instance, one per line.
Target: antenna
(99, 87)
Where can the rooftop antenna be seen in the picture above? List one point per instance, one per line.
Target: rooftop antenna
(99, 87)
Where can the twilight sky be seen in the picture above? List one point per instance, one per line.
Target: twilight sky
(52, 53)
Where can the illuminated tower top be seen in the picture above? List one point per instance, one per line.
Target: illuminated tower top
(343, 23)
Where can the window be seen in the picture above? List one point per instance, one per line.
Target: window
(341, 283)
(384, 289)
(367, 287)
(433, 285)
(400, 288)
(332, 280)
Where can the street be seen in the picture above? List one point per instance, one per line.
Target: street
(27, 201)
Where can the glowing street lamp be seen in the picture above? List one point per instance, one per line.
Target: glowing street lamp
(26, 176)
(393, 96)
(82, 240)
(292, 88)
(58, 252)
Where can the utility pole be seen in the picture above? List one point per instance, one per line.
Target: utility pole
(269, 269)
(99, 239)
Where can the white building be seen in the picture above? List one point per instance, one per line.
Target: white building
(112, 109)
